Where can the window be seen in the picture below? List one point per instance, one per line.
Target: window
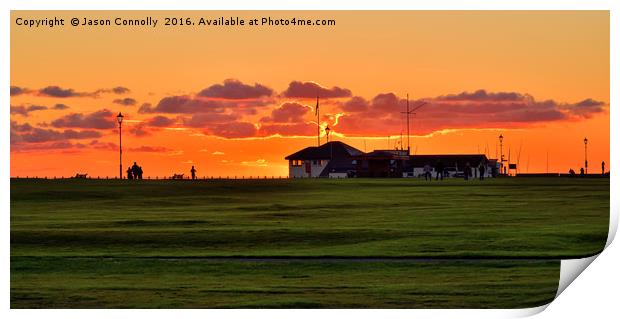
(296, 163)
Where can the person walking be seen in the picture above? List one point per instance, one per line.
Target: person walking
(481, 170)
(427, 172)
(129, 173)
(467, 171)
(439, 167)
(193, 171)
(134, 170)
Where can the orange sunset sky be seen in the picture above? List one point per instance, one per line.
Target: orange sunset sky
(237, 100)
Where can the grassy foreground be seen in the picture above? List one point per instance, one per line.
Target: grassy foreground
(100, 243)
(180, 283)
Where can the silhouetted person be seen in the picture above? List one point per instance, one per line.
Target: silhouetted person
(427, 173)
(603, 167)
(129, 173)
(139, 172)
(571, 172)
(467, 171)
(581, 172)
(439, 169)
(193, 171)
(134, 170)
(481, 170)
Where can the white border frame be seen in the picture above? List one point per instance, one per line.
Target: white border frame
(597, 287)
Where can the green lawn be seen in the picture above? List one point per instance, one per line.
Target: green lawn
(108, 243)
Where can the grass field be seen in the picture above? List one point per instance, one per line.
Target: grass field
(107, 243)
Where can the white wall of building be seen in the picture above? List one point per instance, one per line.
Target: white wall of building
(316, 167)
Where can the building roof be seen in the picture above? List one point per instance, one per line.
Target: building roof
(330, 150)
(385, 154)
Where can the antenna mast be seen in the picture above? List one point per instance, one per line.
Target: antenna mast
(409, 112)
(408, 145)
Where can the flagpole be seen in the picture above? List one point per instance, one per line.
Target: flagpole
(318, 123)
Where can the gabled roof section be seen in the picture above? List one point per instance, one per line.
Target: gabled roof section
(330, 150)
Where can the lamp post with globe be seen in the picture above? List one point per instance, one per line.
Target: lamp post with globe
(119, 119)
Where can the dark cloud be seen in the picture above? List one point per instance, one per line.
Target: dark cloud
(586, 108)
(480, 109)
(145, 108)
(63, 146)
(38, 135)
(297, 129)
(590, 103)
(355, 104)
(59, 92)
(120, 90)
(297, 89)
(107, 146)
(235, 90)
(139, 130)
(19, 128)
(25, 137)
(60, 106)
(25, 110)
(483, 95)
(204, 120)
(16, 90)
(150, 149)
(185, 104)
(51, 146)
(160, 121)
(126, 101)
(191, 105)
(288, 113)
(233, 130)
(56, 91)
(102, 119)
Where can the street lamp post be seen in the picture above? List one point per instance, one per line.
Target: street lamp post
(327, 130)
(501, 153)
(585, 145)
(119, 118)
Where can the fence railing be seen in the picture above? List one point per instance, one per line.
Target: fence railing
(185, 178)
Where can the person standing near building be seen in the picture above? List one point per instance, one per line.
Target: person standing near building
(439, 169)
(481, 170)
(427, 173)
(603, 167)
(467, 171)
(193, 171)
